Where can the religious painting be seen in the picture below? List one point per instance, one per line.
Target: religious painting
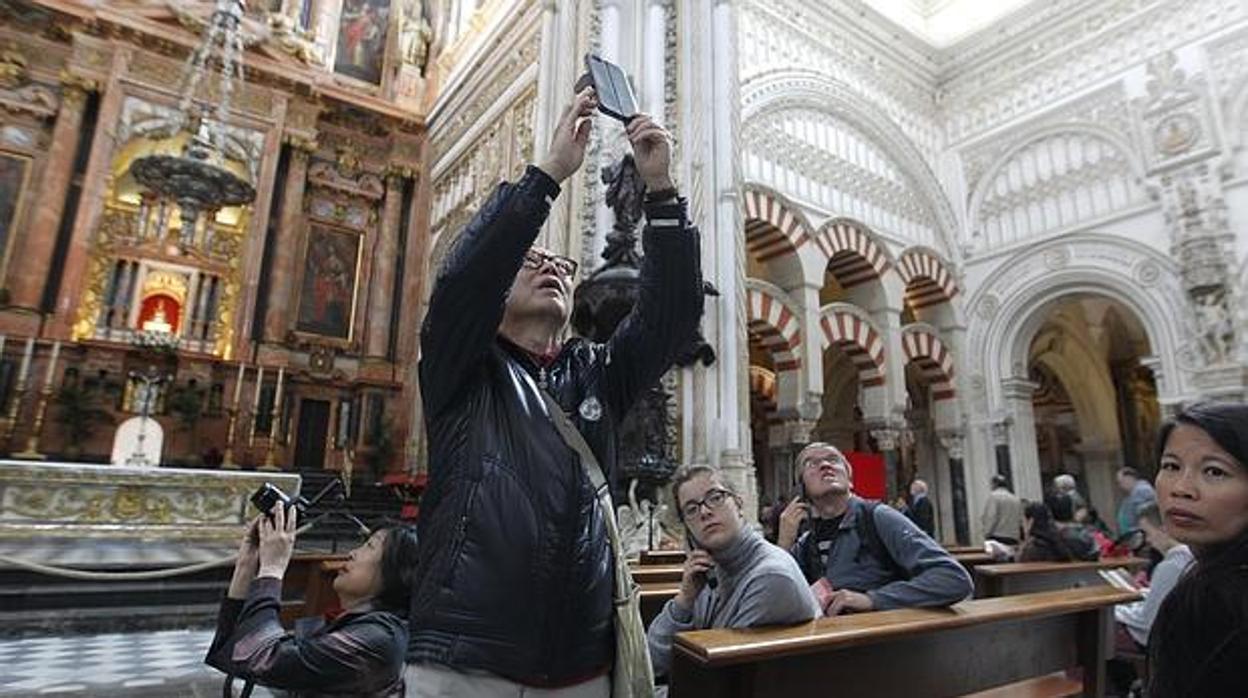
(13, 171)
(362, 39)
(160, 313)
(327, 293)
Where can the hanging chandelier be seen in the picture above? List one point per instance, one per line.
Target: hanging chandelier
(197, 179)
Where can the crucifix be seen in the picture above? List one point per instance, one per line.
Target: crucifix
(147, 385)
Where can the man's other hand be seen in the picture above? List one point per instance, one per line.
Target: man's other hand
(567, 147)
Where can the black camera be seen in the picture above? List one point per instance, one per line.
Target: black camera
(269, 496)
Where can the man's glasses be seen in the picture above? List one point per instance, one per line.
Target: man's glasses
(713, 500)
(813, 462)
(565, 266)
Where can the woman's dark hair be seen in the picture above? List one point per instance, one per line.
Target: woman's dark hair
(1062, 506)
(398, 567)
(1044, 534)
(1197, 644)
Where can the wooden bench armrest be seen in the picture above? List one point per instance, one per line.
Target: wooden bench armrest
(722, 647)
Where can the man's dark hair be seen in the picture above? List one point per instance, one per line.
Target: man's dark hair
(1128, 471)
(1201, 632)
(398, 567)
(1000, 481)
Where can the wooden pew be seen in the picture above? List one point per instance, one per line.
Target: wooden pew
(653, 598)
(956, 550)
(656, 574)
(973, 646)
(1007, 579)
(662, 557)
(972, 560)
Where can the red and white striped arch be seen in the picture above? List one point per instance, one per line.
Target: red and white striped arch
(859, 339)
(927, 278)
(775, 326)
(854, 257)
(924, 348)
(773, 227)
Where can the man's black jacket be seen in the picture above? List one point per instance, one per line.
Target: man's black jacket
(515, 570)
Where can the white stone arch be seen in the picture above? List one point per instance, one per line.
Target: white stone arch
(990, 179)
(778, 90)
(1013, 302)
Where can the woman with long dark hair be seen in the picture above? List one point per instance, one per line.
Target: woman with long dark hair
(360, 653)
(1049, 535)
(1199, 642)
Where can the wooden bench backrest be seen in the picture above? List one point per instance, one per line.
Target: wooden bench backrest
(972, 646)
(1012, 578)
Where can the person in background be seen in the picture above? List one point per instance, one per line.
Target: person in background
(1066, 484)
(1079, 538)
(1045, 541)
(755, 582)
(359, 653)
(1140, 495)
(920, 510)
(1003, 513)
(1199, 641)
(858, 555)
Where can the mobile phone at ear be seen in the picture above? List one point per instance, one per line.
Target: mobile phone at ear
(692, 544)
(615, 92)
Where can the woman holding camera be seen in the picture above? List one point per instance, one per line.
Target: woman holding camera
(360, 653)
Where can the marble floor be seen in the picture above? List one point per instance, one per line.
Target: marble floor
(166, 664)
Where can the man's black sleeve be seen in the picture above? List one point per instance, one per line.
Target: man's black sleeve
(668, 308)
(466, 306)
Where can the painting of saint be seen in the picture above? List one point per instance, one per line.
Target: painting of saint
(328, 286)
(12, 184)
(362, 39)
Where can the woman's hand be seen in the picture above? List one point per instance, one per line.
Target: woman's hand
(248, 562)
(277, 541)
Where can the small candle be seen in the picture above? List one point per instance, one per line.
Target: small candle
(25, 369)
(56, 351)
(277, 396)
(255, 403)
(238, 384)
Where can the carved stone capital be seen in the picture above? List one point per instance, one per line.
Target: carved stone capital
(1001, 432)
(954, 443)
(301, 143)
(886, 439)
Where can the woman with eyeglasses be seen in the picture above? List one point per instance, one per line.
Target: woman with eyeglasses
(1198, 645)
(733, 578)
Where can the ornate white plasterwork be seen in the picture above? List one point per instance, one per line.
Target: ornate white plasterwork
(1072, 54)
(777, 35)
(779, 91)
(1008, 308)
(1055, 177)
(829, 163)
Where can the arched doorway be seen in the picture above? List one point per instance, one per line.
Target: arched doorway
(1095, 401)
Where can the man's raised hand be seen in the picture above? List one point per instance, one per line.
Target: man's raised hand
(567, 146)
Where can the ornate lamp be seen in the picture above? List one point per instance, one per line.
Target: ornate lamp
(197, 179)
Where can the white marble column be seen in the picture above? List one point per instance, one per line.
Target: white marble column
(710, 118)
(1024, 456)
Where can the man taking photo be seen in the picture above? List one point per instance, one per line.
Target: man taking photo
(515, 581)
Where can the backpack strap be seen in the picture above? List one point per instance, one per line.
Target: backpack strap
(870, 539)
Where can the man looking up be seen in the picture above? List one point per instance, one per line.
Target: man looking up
(861, 556)
(514, 586)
